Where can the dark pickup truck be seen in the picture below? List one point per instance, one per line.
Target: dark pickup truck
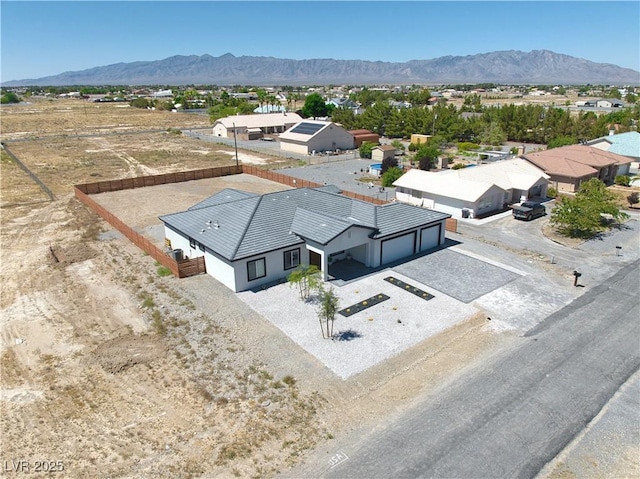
(529, 210)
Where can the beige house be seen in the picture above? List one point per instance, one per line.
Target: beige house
(570, 166)
(314, 136)
(473, 191)
(250, 127)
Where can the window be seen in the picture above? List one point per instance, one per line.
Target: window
(192, 243)
(291, 258)
(256, 269)
(201, 246)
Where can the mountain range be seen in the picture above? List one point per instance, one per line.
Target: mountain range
(504, 67)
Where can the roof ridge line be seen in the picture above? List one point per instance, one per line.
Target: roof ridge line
(246, 226)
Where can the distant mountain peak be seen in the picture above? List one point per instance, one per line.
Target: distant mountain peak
(504, 67)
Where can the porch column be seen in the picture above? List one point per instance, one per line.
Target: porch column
(325, 267)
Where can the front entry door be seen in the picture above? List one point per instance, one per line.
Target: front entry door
(315, 259)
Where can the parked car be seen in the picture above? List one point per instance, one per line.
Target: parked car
(529, 210)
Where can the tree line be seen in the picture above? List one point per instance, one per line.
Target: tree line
(489, 125)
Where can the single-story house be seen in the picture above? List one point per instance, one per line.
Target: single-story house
(360, 136)
(625, 144)
(473, 191)
(313, 136)
(569, 166)
(382, 152)
(250, 126)
(249, 240)
(270, 109)
(609, 103)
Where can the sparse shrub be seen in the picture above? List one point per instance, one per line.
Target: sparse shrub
(552, 193)
(289, 380)
(458, 166)
(163, 271)
(622, 180)
(467, 145)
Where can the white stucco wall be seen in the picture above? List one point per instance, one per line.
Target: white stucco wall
(180, 242)
(274, 267)
(288, 145)
(219, 130)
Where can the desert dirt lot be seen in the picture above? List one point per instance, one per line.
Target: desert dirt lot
(118, 371)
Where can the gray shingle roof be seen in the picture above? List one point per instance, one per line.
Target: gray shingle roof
(223, 196)
(247, 225)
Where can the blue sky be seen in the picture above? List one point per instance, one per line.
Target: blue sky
(47, 38)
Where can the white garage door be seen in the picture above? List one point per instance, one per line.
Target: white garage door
(429, 238)
(397, 248)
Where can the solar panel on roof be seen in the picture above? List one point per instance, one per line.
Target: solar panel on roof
(305, 128)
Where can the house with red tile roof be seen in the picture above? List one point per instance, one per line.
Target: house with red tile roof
(569, 166)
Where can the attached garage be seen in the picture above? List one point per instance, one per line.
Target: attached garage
(396, 248)
(430, 237)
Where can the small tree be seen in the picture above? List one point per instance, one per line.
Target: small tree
(633, 198)
(329, 305)
(622, 180)
(366, 149)
(388, 163)
(427, 157)
(391, 175)
(306, 278)
(581, 215)
(397, 144)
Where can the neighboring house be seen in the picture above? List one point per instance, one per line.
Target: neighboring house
(569, 166)
(609, 103)
(399, 105)
(625, 144)
(360, 136)
(474, 191)
(382, 152)
(250, 240)
(162, 94)
(270, 109)
(249, 125)
(314, 136)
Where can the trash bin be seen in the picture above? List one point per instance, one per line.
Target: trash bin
(465, 213)
(177, 254)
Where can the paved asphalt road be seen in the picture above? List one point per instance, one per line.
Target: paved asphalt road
(512, 416)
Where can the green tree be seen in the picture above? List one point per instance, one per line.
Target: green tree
(327, 309)
(631, 97)
(306, 278)
(622, 180)
(365, 149)
(345, 117)
(581, 216)
(314, 106)
(561, 141)
(427, 156)
(141, 103)
(388, 163)
(9, 97)
(397, 144)
(391, 175)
